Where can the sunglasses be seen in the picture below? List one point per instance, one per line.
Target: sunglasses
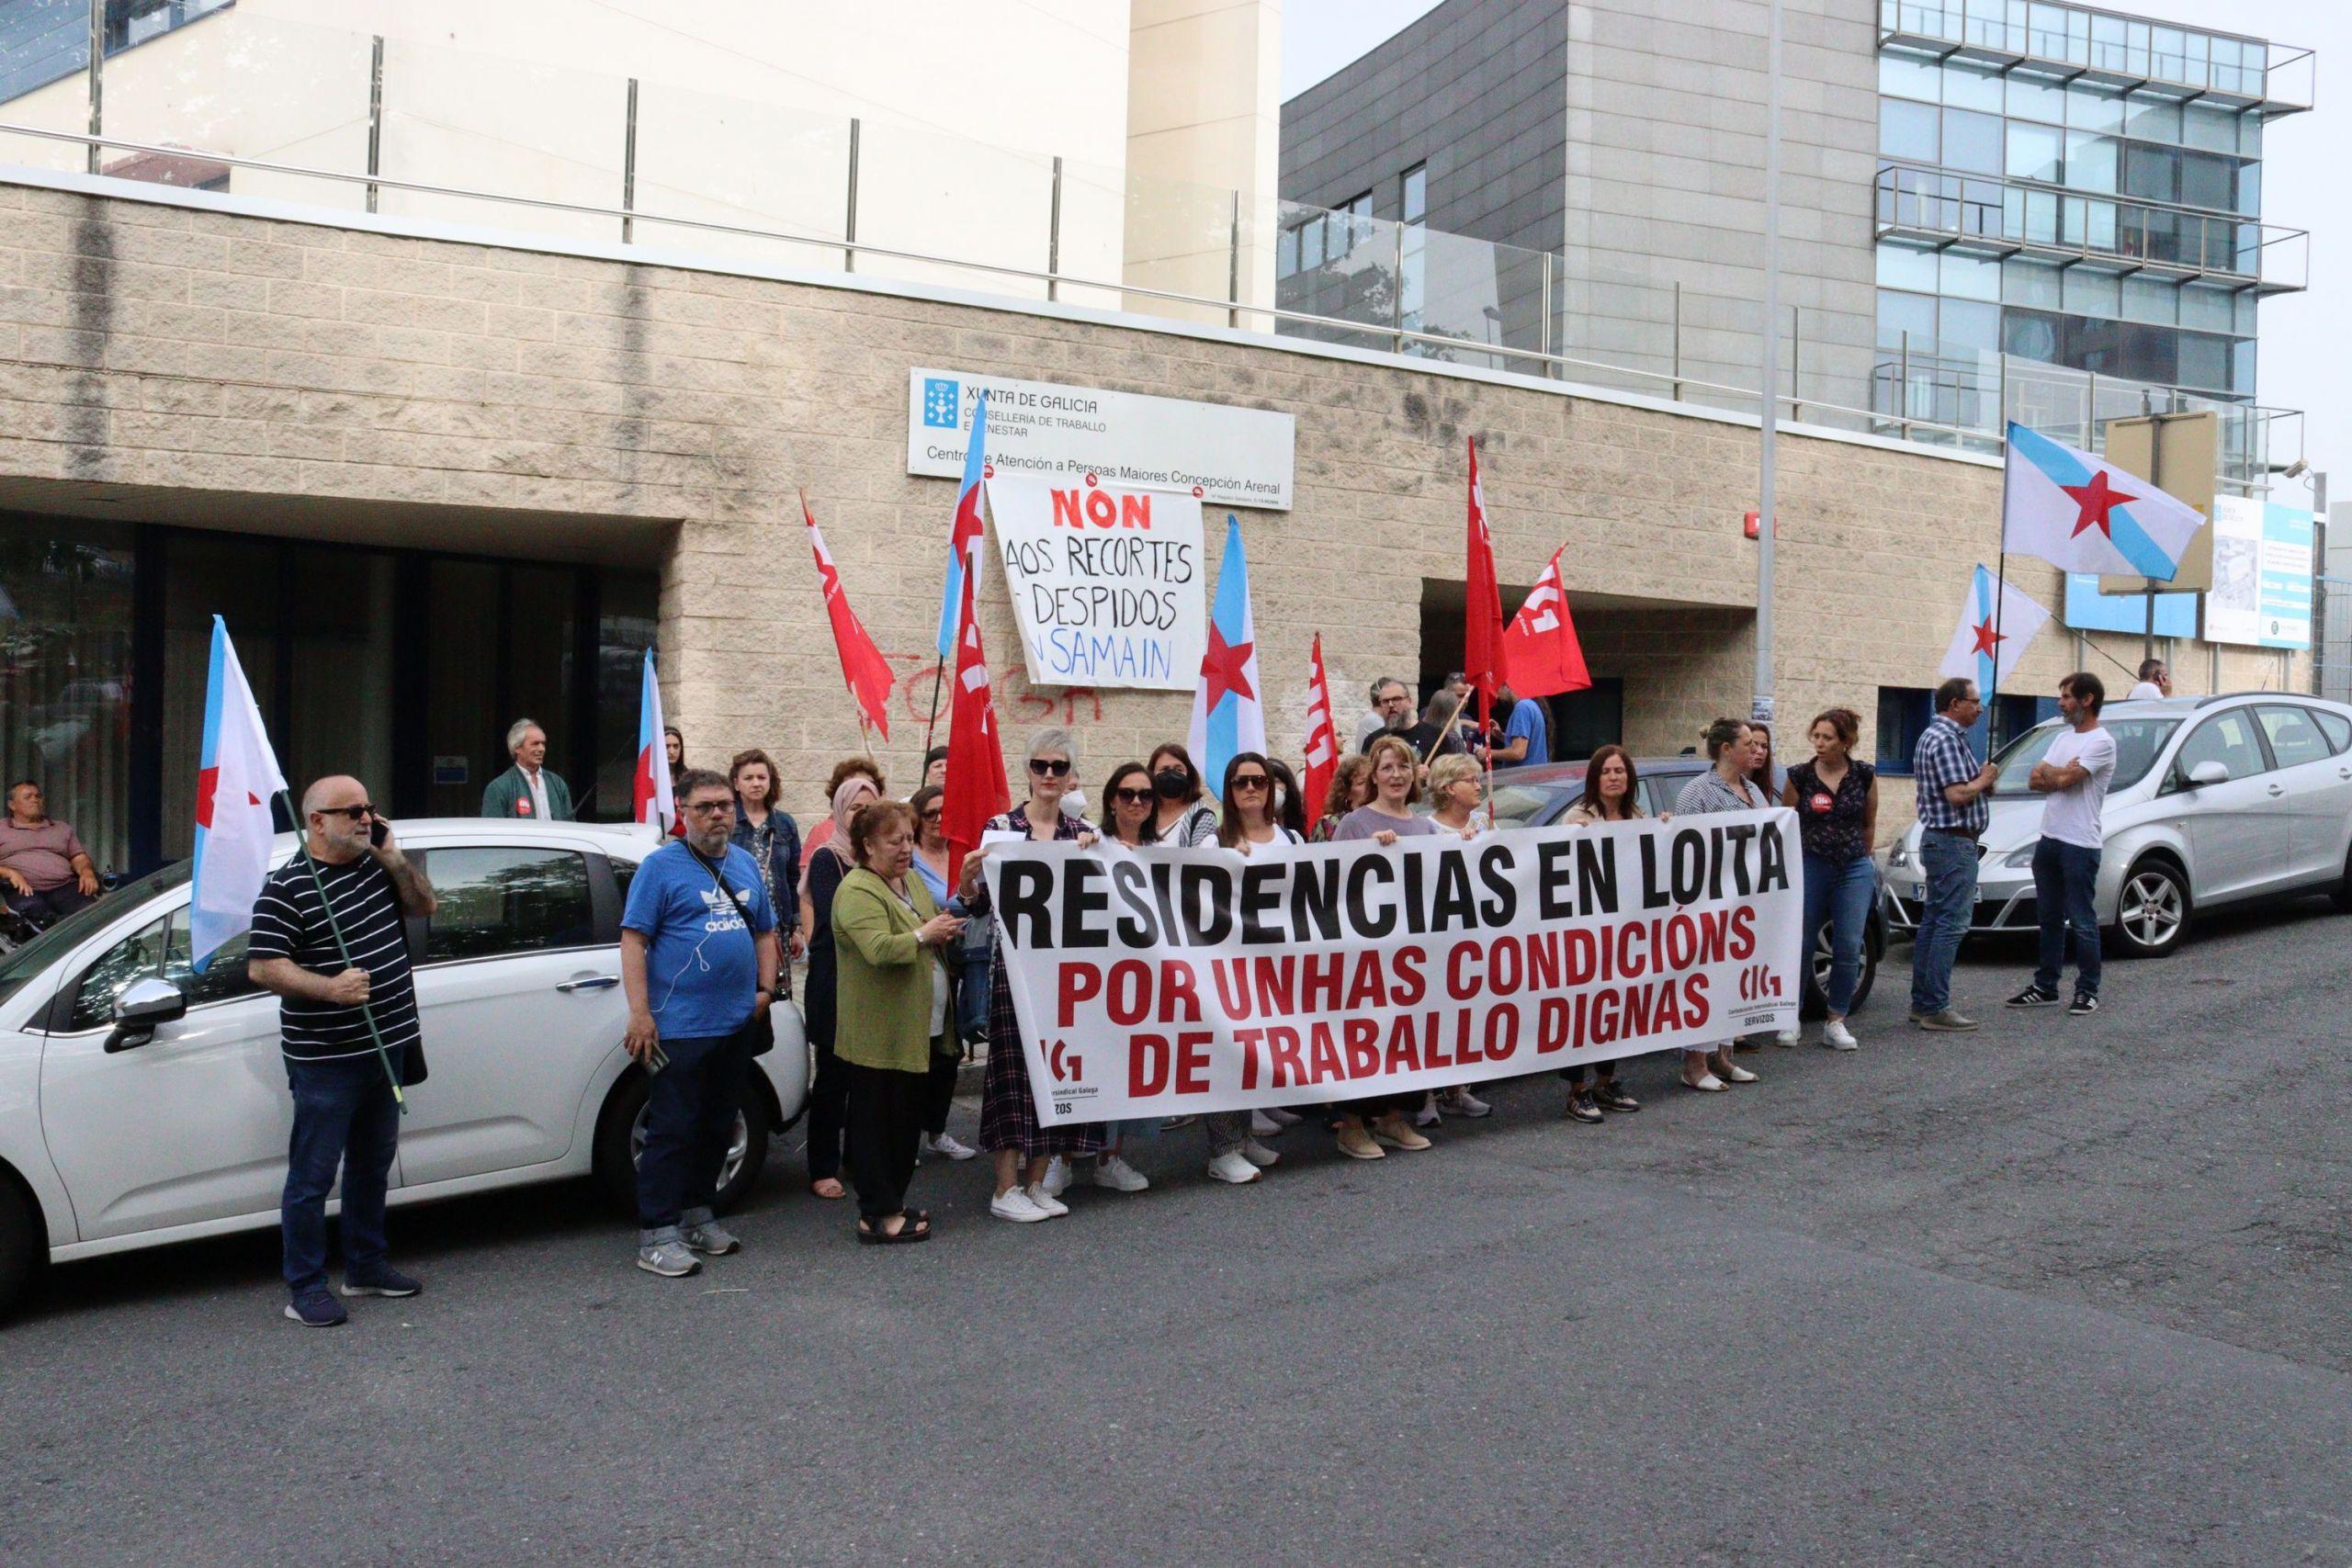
(354, 812)
(1133, 797)
(1251, 780)
(1050, 767)
(933, 816)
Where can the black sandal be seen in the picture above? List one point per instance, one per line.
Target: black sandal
(915, 1227)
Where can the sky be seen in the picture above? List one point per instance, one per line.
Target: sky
(2304, 363)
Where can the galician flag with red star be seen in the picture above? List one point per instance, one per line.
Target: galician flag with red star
(2082, 514)
(1996, 623)
(237, 778)
(1227, 718)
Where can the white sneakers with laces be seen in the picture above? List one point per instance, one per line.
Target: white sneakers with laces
(1013, 1204)
(1232, 1167)
(1117, 1174)
(1837, 1037)
(1057, 1181)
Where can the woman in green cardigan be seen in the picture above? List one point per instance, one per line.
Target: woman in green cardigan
(892, 1002)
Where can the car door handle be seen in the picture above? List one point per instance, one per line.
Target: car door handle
(593, 983)
(2274, 790)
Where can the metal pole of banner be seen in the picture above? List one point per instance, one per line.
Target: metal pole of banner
(97, 83)
(629, 169)
(343, 948)
(1233, 267)
(1544, 340)
(1766, 522)
(375, 117)
(849, 224)
(1796, 362)
(1054, 237)
(1678, 342)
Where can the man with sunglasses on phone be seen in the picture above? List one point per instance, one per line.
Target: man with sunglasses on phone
(348, 891)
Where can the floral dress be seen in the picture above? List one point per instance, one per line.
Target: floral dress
(1007, 1108)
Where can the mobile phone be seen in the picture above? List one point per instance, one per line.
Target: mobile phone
(378, 832)
(656, 1060)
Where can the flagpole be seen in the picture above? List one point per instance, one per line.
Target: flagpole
(931, 730)
(367, 1012)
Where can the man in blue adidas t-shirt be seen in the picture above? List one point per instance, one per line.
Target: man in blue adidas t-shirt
(699, 962)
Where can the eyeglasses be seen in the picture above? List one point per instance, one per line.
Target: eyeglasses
(934, 815)
(1050, 767)
(710, 807)
(1133, 797)
(354, 812)
(1251, 781)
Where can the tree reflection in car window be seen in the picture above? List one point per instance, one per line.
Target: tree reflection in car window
(495, 900)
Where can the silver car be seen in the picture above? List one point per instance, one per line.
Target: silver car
(2215, 800)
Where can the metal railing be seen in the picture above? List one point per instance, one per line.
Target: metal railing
(2122, 49)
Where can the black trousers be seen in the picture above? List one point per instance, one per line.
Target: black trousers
(887, 1111)
(829, 1088)
(939, 1088)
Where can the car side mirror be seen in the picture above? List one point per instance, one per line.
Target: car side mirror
(144, 1005)
(2210, 772)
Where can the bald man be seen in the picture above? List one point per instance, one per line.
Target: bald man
(350, 881)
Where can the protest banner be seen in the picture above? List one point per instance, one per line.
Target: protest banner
(1166, 982)
(1106, 581)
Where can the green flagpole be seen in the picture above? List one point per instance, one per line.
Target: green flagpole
(367, 1012)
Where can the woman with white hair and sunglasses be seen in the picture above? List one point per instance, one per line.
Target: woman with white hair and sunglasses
(1009, 1131)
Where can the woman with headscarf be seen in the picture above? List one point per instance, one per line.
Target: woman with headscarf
(820, 881)
(1009, 1130)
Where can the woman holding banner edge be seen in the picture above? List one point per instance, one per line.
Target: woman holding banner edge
(1369, 1128)
(1457, 787)
(1737, 751)
(1019, 1144)
(1612, 794)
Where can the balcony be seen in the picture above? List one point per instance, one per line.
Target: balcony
(2108, 46)
(1935, 207)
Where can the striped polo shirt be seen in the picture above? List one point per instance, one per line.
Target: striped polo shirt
(290, 921)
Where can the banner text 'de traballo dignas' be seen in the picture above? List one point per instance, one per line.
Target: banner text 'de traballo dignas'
(1174, 981)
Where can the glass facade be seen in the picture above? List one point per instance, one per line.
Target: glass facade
(2030, 208)
(402, 667)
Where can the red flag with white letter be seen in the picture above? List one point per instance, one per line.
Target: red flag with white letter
(1541, 655)
(976, 788)
(1322, 737)
(1482, 619)
(863, 666)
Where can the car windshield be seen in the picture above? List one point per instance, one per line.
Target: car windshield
(2138, 743)
(19, 967)
(1517, 804)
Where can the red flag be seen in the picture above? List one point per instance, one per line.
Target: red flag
(1322, 739)
(863, 666)
(976, 787)
(1541, 654)
(1482, 620)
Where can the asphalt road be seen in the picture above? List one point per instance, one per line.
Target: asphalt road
(2064, 1292)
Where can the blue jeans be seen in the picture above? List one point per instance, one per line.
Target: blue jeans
(689, 1119)
(2065, 878)
(343, 1116)
(1948, 863)
(1841, 895)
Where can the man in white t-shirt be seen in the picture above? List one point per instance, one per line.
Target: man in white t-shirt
(2154, 682)
(2074, 774)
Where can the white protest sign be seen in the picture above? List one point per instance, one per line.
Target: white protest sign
(1217, 452)
(1168, 982)
(1106, 581)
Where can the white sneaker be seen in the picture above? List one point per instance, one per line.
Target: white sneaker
(1429, 1115)
(1057, 1181)
(945, 1144)
(1282, 1118)
(1837, 1037)
(1462, 1103)
(1265, 1126)
(1117, 1174)
(1258, 1154)
(1052, 1207)
(1791, 1036)
(1014, 1205)
(1231, 1166)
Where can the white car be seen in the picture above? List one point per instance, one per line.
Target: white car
(2215, 800)
(142, 1103)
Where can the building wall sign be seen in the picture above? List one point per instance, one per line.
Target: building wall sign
(1214, 452)
(2262, 574)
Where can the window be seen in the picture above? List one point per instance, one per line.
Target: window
(2090, 293)
(2037, 98)
(2030, 283)
(224, 973)
(2205, 306)
(1350, 225)
(2208, 180)
(1970, 87)
(2213, 129)
(1967, 276)
(1964, 325)
(500, 900)
(1903, 713)
(2094, 108)
(2227, 737)
(137, 957)
(1906, 266)
(1416, 193)
(2035, 152)
(2031, 335)
(2336, 727)
(1310, 244)
(2152, 174)
(2090, 161)
(2204, 361)
(2138, 743)
(2154, 299)
(1286, 253)
(1902, 76)
(2152, 117)
(1972, 142)
(1902, 316)
(1906, 131)
(2294, 737)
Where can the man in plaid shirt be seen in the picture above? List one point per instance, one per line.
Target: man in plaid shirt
(1953, 814)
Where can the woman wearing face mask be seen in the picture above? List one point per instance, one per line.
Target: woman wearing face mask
(1737, 752)
(1368, 1128)
(1290, 806)
(1836, 797)
(1181, 818)
(1611, 794)
(820, 881)
(1456, 787)
(1350, 787)
(1009, 1131)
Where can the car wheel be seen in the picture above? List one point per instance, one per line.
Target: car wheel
(2153, 912)
(2343, 894)
(20, 1245)
(620, 1136)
